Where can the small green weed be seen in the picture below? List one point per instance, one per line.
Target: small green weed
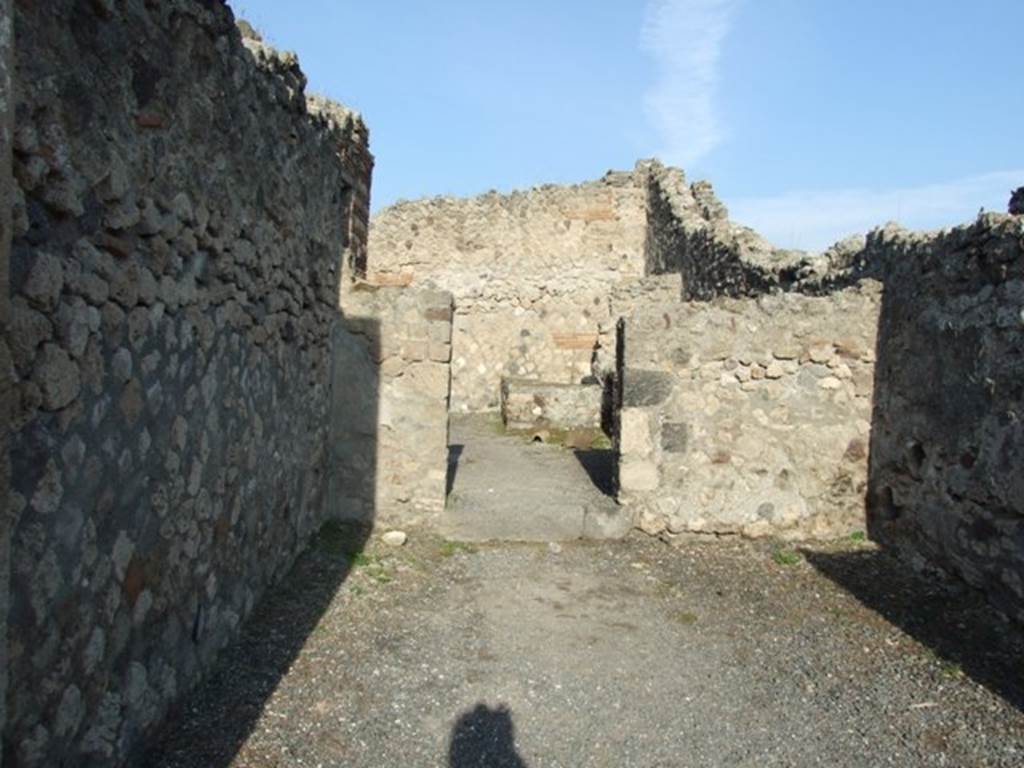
(786, 557)
(363, 560)
(665, 588)
(373, 567)
(952, 670)
(449, 548)
(858, 536)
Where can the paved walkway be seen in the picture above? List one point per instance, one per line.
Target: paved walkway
(505, 488)
(627, 653)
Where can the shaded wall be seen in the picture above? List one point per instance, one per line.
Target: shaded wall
(531, 274)
(689, 233)
(7, 393)
(748, 416)
(181, 224)
(947, 440)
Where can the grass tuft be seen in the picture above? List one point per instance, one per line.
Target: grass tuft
(363, 560)
(786, 557)
(952, 670)
(449, 548)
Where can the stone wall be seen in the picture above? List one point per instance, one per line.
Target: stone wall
(767, 414)
(531, 273)
(689, 233)
(947, 440)
(1016, 204)
(392, 372)
(529, 405)
(181, 221)
(352, 153)
(7, 393)
(748, 416)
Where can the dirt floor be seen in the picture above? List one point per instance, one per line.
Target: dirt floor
(632, 653)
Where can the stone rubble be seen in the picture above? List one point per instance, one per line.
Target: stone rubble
(395, 538)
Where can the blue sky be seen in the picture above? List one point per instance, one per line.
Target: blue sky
(813, 119)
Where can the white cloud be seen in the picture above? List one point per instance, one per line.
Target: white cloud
(814, 219)
(685, 38)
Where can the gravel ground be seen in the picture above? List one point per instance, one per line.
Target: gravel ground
(632, 653)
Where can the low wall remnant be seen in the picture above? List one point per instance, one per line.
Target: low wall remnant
(748, 416)
(530, 405)
(392, 376)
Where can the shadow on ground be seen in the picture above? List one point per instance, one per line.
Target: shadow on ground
(484, 737)
(225, 708)
(600, 467)
(454, 454)
(946, 616)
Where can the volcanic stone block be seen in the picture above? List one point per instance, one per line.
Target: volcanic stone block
(646, 388)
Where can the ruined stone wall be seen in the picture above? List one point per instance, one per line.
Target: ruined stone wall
(180, 226)
(389, 433)
(947, 441)
(770, 415)
(531, 273)
(689, 233)
(749, 416)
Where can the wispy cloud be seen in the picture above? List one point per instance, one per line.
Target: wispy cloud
(685, 38)
(814, 219)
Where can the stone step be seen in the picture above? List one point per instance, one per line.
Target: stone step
(481, 519)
